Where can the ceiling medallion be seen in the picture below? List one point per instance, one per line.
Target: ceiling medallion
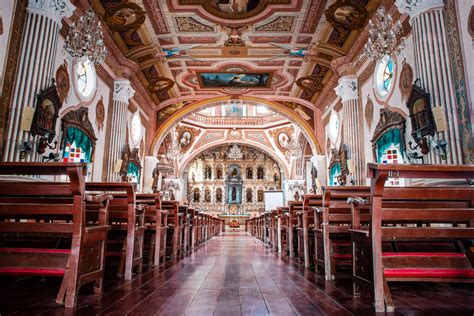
(347, 13)
(234, 9)
(85, 39)
(124, 16)
(310, 83)
(235, 152)
(384, 36)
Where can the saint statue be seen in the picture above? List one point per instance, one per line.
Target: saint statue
(234, 194)
(156, 176)
(314, 176)
(297, 196)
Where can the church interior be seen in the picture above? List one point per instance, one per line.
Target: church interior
(236, 157)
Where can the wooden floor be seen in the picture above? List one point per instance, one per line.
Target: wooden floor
(233, 274)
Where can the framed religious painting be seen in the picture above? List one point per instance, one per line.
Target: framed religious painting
(421, 115)
(46, 113)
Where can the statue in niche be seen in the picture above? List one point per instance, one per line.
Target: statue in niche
(249, 196)
(219, 196)
(207, 196)
(314, 176)
(208, 172)
(156, 176)
(234, 173)
(260, 196)
(260, 173)
(297, 196)
(234, 194)
(249, 173)
(193, 177)
(172, 197)
(219, 173)
(275, 177)
(197, 195)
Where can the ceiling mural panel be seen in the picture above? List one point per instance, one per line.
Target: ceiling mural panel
(266, 48)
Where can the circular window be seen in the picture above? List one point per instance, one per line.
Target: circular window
(86, 80)
(136, 129)
(384, 76)
(334, 127)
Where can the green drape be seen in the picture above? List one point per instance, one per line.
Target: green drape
(335, 170)
(133, 169)
(388, 139)
(81, 141)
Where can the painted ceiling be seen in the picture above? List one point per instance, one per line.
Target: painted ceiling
(187, 50)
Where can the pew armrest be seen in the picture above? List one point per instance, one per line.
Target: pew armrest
(98, 198)
(357, 201)
(363, 232)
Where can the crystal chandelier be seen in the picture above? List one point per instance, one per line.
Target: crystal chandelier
(293, 150)
(235, 152)
(383, 36)
(85, 39)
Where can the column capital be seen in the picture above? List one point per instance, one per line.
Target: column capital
(55, 9)
(347, 88)
(416, 7)
(123, 90)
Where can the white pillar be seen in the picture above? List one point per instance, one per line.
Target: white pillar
(122, 93)
(433, 68)
(36, 66)
(352, 126)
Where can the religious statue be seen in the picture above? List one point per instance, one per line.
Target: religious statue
(197, 195)
(297, 196)
(219, 173)
(234, 172)
(249, 173)
(193, 177)
(156, 176)
(314, 176)
(208, 173)
(219, 196)
(207, 196)
(260, 173)
(275, 177)
(234, 194)
(249, 196)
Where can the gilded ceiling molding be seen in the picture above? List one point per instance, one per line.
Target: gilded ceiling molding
(158, 20)
(279, 24)
(315, 11)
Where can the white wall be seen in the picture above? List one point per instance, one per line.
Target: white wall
(6, 12)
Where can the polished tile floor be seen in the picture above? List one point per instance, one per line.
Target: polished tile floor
(233, 274)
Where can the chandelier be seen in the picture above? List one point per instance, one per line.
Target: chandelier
(293, 150)
(235, 152)
(85, 39)
(383, 36)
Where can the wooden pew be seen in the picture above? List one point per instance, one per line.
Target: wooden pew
(332, 223)
(154, 229)
(405, 239)
(46, 231)
(282, 228)
(293, 228)
(183, 230)
(126, 218)
(172, 232)
(273, 225)
(310, 201)
(297, 210)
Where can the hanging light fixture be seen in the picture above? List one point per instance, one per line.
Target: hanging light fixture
(235, 152)
(293, 149)
(85, 39)
(383, 36)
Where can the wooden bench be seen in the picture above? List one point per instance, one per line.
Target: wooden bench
(415, 234)
(292, 228)
(310, 201)
(332, 222)
(46, 231)
(282, 228)
(172, 231)
(296, 209)
(154, 227)
(126, 218)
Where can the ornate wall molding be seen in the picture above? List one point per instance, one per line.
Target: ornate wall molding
(123, 91)
(56, 9)
(347, 89)
(416, 7)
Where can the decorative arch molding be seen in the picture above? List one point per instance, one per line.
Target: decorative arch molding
(283, 166)
(177, 116)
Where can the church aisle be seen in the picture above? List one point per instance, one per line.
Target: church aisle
(233, 274)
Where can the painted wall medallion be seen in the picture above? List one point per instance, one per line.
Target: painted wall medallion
(406, 80)
(124, 16)
(185, 139)
(100, 114)
(63, 84)
(283, 140)
(347, 13)
(369, 112)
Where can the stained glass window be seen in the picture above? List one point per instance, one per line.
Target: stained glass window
(85, 78)
(74, 154)
(384, 76)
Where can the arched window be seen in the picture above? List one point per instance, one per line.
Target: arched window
(249, 196)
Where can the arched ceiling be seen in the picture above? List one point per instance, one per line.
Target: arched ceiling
(183, 51)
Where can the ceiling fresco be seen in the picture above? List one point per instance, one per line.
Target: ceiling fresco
(262, 48)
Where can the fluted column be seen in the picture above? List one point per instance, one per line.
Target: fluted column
(352, 126)
(35, 67)
(433, 68)
(118, 126)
